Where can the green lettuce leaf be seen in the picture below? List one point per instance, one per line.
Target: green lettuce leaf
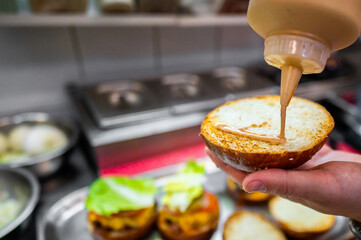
(186, 186)
(113, 194)
(193, 167)
(183, 182)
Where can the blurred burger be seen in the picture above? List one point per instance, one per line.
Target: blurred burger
(188, 211)
(240, 195)
(121, 208)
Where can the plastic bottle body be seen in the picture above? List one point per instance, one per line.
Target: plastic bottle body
(335, 23)
(303, 33)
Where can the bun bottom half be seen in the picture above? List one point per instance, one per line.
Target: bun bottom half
(251, 162)
(308, 126)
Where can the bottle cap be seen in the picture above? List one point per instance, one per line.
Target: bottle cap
(303, 52)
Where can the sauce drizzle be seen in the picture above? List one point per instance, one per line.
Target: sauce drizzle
(283, 121)
(273, 139)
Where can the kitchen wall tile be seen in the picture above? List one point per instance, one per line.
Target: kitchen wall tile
(114, 52)
(187, 49)
(239, 45)
(35, 64)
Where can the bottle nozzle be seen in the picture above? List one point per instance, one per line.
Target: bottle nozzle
(306, 53)
(290, 76)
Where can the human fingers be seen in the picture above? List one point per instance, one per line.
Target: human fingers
(323, 151)
(326, 154)
(317, 159)
(235, 174)
(291, 184)
(331, 188)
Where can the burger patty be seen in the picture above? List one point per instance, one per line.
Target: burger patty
(124, 220)
(201, 216)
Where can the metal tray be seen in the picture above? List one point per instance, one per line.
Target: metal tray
(66, 219)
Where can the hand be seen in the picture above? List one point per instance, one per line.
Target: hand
(330, 182)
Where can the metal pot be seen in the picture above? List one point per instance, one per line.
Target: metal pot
(21, 186)
(45, 164)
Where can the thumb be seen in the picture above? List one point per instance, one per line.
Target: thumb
(287, 183)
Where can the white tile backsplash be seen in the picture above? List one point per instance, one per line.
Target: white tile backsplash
(240, 45)
(35, 64)
(187, 49)
(113, 52)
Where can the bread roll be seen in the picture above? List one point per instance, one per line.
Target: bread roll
(308, 126)
(250, 226)
(299, 221)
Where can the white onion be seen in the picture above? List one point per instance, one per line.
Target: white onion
(16, 137)
(9, 210)
(12, 156)
(43, 138)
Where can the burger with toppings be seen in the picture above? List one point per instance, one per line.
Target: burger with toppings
(121, 208)
(188, 211)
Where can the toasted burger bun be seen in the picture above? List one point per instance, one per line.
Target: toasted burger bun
(138, 224)
(299, 221)
(246, 225)
(308, 126)
(199, 222)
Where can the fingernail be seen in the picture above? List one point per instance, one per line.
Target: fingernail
(255, 186)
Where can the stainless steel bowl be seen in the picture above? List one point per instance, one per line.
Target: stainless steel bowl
(21, 186)
(44, 164)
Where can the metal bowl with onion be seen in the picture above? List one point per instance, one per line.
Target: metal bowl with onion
(44, 164)
(20, 186)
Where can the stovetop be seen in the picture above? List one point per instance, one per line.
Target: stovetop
(124, 102)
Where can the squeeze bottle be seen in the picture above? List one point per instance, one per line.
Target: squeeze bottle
(301, 34)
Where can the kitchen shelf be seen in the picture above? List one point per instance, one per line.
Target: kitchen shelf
(136, 20)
